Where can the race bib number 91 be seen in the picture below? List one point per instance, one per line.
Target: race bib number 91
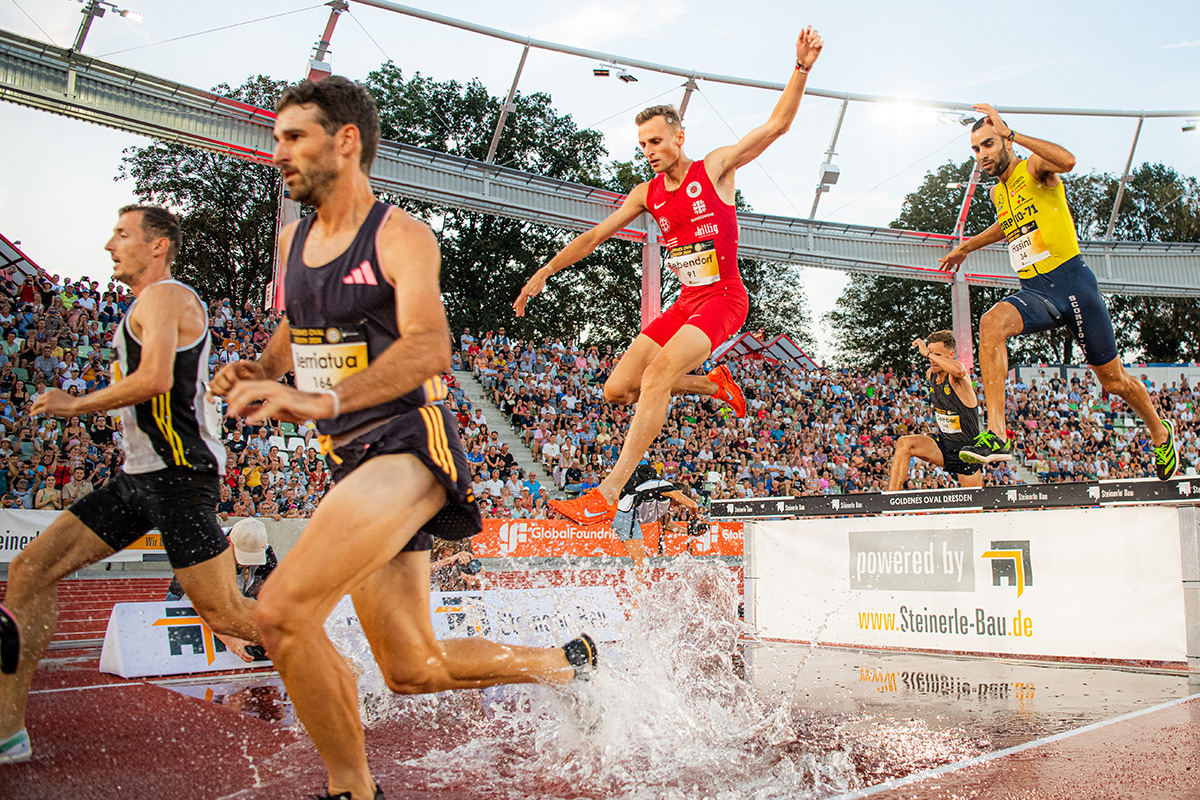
(322, 357)
(696, 264)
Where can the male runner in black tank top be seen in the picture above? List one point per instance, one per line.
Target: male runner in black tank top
(169, 479)
(367, 335)
(956, 408)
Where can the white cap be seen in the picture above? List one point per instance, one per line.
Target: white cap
(249, 540)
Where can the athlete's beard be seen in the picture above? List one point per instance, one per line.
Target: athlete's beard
(313, 185)
(1001, 164)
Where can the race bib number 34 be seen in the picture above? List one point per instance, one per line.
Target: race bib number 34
(322, 357)
(696, 264)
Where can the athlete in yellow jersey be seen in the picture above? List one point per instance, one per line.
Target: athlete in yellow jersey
(1057, 288)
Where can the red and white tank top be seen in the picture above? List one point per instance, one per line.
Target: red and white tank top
(700, 230)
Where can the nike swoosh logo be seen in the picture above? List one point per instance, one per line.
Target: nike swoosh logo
(591, 515)
(657, 206)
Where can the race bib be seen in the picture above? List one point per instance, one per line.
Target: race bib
(1026, 248)
(695, 264)
(323, 357)
(948, 423)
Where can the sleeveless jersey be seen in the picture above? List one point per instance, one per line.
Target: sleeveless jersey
(177, 428)
(956, 421)
(700, 230)
(1036, 221)
(342, 317)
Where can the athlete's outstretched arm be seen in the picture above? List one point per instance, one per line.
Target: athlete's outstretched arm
(1046, 158)
(159, 315)
(584, 244)
(951, 366)
(724, 159)
(950, 261)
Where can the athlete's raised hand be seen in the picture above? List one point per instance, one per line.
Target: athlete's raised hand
(255, 401)
(230, 375)
(922, 348)
(808, 47)
(533, 287)
(993, 117)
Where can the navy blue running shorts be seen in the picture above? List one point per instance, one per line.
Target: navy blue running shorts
(1068, 296)
(431, 434)
(181, 503)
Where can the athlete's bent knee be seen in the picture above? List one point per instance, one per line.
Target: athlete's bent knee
(411, 678)
(996, 323)
(276, 616)
(620, 395)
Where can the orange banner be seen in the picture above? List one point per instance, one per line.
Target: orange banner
(531, 538)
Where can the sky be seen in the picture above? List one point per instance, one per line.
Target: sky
(59, 196)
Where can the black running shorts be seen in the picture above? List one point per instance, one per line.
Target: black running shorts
(181, 503)
(431, 434)
(951, 461)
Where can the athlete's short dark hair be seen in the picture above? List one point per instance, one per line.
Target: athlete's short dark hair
(979, 123)
(945, 337)
(666, 112)
(339, 102)
(157, 223)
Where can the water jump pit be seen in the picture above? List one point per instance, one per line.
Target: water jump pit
(691, 701)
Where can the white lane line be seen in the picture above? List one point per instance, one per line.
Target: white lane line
(961, 765)
(86, 688)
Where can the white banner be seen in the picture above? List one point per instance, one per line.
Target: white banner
(20, 527)
(544, 617)
(163, 638)
(169, 638)
(1078, 583)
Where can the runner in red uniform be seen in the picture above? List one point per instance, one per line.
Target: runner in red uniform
(693, 203)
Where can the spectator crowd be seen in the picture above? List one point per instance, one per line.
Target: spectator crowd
(806, 432)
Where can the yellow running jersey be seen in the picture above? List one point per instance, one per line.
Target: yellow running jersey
(1036, 221)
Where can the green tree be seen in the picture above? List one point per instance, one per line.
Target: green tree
(487, 259)
(226, 206)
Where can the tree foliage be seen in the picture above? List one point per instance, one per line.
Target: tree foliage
(226, 206)
(878, 317)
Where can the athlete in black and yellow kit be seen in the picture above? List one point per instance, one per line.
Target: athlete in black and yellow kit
(956, 409)
(169, 480)
(1057, 288)
(367, 337)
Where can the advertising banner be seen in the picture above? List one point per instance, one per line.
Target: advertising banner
(170, 638)
(1076, 583)
(20, 527)
(533, 538)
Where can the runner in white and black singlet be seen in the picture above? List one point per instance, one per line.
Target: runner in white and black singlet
(366, 334)
(170, 478)
(956, 414)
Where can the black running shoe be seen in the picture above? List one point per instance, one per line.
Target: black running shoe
(581, 654)
(1166, 456)
(988, 448)
(10, 642)
(345, 795)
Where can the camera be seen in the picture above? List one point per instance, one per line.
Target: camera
(472, 567)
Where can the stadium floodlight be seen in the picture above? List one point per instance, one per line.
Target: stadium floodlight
(955, 117)
(1190, 125)
(625, 77)
(96, 8)
(622, 74)
(602, 71)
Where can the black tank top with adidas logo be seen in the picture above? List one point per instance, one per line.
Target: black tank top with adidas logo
(342, 316)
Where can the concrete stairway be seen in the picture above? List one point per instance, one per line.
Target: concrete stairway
(496, 422)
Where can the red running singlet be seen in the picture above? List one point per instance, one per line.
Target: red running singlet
(700, 230)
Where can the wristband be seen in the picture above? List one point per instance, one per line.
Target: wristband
(1011, 135)
(803, 68)
(337, 401)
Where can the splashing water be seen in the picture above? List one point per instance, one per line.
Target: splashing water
(667, 715)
